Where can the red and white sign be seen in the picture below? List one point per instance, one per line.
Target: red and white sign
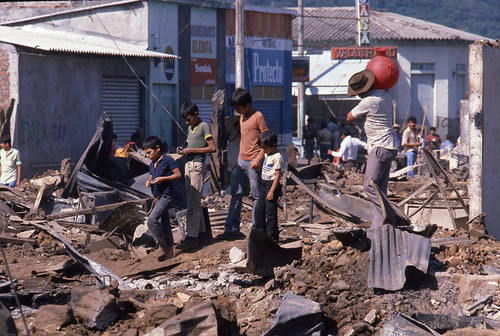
(203, 71)
(360, 52)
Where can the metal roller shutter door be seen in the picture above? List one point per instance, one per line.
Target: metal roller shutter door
(121, 100)
(205, 108)
(272, 111)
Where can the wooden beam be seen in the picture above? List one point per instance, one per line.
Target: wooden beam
(100, 208)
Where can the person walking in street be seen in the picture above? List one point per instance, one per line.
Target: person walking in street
(376, 106)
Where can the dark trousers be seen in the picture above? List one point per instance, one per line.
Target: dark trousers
(377, 170)
(159, 220)
(266, 212)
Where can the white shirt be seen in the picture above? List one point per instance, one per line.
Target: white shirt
(349, 148)
(272, 163)
(9, 162)
(377, 107)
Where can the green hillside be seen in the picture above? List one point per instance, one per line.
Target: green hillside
(480, 17)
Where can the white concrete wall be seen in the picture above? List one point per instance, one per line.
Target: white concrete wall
(130, 27)
(484, 182)
(445, 57)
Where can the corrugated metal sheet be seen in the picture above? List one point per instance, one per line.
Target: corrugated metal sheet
(59, 41)
(338, 24)
(391, 251)
(121, 100)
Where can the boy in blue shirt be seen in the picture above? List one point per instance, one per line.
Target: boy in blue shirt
(162, 171)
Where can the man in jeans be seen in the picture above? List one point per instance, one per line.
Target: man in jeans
(200, 142)
(252, 125)
(376, 105)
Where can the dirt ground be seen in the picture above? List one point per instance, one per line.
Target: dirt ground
(328, 273)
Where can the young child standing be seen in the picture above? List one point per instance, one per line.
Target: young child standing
(10, 162)
(200, 142)
(266, 210)
(162, 171)
(252, 125)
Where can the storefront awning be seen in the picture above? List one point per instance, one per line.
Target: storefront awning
(74, 43)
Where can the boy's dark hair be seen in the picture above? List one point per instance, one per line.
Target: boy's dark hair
(412, 118)
(449, 137)
(433, 128)
(134, 137)
(268, 139)
(310, 120)
(346, 131)
(154, 142)
(323, 124)
(189, 108)
(240, 97)
(114, 136)
(333, 119)
(5, 139)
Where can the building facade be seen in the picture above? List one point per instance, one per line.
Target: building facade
(432, 61)
(61, 91)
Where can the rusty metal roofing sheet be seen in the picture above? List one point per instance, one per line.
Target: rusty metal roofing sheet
(391, 251)
(57, 41)
(339, 24)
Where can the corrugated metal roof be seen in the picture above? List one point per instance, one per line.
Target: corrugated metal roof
(58, 41)
(338, 24)
(21, 11)
(392, 250)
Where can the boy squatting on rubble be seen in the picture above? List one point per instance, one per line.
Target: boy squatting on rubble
(200, 142)
(266, 210)
(162, 171)
(376, 105)
(10, 162)
(252, 125)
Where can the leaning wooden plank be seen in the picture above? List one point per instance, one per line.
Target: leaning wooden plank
(416, 192)
(81, 226)
(404, 170)
(99, 208)
(16, 240)
(320, 200)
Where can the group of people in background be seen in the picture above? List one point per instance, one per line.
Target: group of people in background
(345, 153)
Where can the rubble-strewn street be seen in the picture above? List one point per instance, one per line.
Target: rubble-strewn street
(211, 287)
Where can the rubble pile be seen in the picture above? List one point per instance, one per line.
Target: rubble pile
(77, 278)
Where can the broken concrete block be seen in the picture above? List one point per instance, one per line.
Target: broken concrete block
(96, 309)
(198, 320)
(236, 255)
(270, 285)
(260, 296)
(52, 318)
(7, 326)
(112, 242)
(25, 234)
(371, 317)
(183, 297)
(339, 286)
(28, 247)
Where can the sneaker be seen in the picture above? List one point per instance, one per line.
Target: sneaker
(188, 244)
(232, 235)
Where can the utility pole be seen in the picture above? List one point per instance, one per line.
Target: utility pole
(240, 44)
(301, 101)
